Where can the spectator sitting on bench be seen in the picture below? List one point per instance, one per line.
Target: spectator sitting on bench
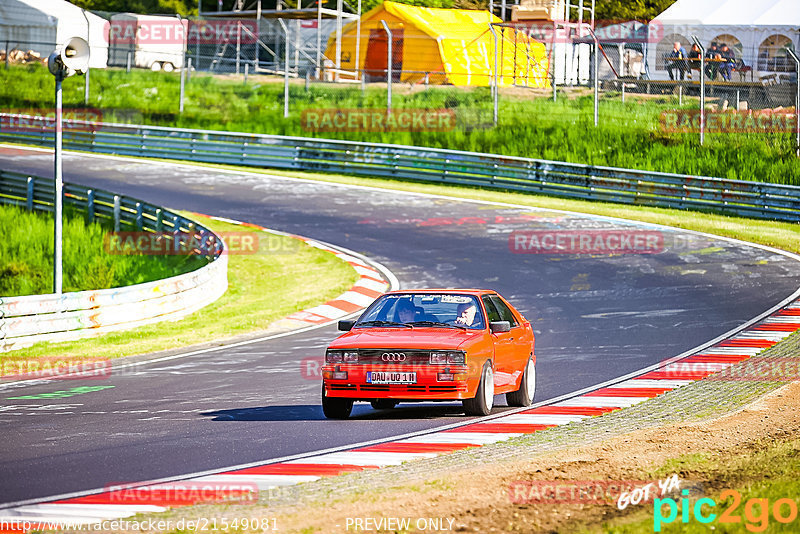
(713, 58)
(677, 60)
(728, 62)
(694, 59)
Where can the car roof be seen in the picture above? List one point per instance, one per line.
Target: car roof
(476, 292)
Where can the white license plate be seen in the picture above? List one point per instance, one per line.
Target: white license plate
(391, 377)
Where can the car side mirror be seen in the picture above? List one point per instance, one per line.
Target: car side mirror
(346, 326)
(498, 327)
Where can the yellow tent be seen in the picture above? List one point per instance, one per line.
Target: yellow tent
(452, 46)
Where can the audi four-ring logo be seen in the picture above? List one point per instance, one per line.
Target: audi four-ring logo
(393, 357)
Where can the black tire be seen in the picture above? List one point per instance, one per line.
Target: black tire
(527, 387)
(484, 397)
(336, 408)
(383, 404)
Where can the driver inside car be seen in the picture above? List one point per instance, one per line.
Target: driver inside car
(466, 314)
(406, 312)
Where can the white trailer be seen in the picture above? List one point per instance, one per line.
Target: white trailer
(147, 41)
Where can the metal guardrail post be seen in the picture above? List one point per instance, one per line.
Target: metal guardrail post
(176, 228)
(139, 216)
(90, 204)
(29, 199)
(117, 208)
(159, 220)
(389, 73)
(796, 98)
(702, 88)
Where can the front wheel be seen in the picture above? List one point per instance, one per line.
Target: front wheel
(336, 408)
(484, 398)
(527, 387)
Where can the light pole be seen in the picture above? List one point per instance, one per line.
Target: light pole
(70, 58)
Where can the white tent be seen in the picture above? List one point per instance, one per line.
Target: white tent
(40, 25)
(758, 31)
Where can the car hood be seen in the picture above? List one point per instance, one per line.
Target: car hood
(419, 338)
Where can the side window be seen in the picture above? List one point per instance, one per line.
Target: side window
(505, 311)
(491, 311)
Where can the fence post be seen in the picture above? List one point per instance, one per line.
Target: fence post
(596, 79)
(128, 64)
(7, 54)
(30, 194)
(702, 89)
(117, 206)
(623, 92)
(90, 205)
(796, 98)
(494, 83)
(246, 72)
(285, 70)
(86, 88)
(188, 69)
(389, 73)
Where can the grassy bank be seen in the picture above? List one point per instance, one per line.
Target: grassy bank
(26, 256)
(630, 134)
(262, 288)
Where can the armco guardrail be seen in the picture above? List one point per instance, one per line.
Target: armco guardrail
(35, 318)
(735, 197)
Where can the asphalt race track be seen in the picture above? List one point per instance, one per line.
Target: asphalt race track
(596, 317)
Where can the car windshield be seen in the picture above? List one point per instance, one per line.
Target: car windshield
(438, 310)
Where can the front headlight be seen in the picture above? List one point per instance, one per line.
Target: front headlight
(350, 356)
(333, 356)
(449, 357)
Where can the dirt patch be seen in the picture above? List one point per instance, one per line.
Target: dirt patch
(482, 499)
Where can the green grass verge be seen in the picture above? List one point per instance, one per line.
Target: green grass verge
(630, 134)
(26, 256)
(263, 287)
(768, 472)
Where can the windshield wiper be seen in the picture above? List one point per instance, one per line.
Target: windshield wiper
(383, 323)
(438, 323)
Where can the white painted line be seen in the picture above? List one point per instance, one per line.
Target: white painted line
(760, 335)
(783, 319)
(602, 402)
(366, 271)
(373, 285)
(365, 458)
(70, 510)
(326, 310)
(736, 351)
(652, 383)
(262, 481)
(473, 438)
(540, 419)
(356, 298)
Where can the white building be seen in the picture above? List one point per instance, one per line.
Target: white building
(41, 25)
(758, 31)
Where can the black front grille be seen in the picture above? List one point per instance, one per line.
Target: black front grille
(412, 357)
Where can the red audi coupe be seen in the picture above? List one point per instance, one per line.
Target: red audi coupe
(431, 345)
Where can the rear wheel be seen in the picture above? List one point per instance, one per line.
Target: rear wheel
(168, 67)
(527, 387)
(383, 404)
(484, 397)
(336, 408)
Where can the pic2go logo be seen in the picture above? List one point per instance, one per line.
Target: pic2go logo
(756, 511)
